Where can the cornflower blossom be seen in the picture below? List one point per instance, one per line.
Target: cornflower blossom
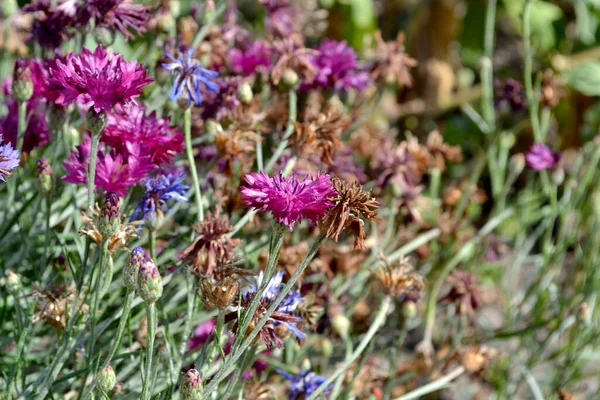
(115, 172)
(289, 199)
(98, 80)
(158, 190)
(337, 67)
(36, 133)
(283, 314)
(541, 157)
(188, 75)
(161, 140)
(9, 160)
(51, 24)
(118, 15)
(304, 384)
(256, 57)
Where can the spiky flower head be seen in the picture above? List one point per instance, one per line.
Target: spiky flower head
(45, 177)
(401, 282)
(9, 160)
(98, 80)
(304, 384)
(93, 225)
(188, 76)
(109, 214)
(149, 282)
(22, 84)
(191, 385)
(350, 203)
(132, 268)
(337, 67)
(106, 379)
(289, 199)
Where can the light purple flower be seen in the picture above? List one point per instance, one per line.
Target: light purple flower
(255, 57)
(119, 15)
(337, 67)
(541, 157)
(289, 199)
(202, 333)
(99, 79)
(9, 160)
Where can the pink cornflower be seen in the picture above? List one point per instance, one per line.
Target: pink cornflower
(115, 172)
(289, 199)
(160, 140)
(541, 157)
(99, 80)
(256, 56)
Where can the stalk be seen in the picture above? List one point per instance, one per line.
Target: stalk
(91, 176)
(187, 130)
(151, 314)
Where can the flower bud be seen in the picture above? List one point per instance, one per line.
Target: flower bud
(104, 35)
(290, 78)
(132, 268)
(244, 93)
(191, 387)
(149, 282)
(165, 21)
(516, 164)
(341, 325)
(22, 84)
(13, 283)
(558, 176)
(409, 310)
(326, 347)
(106, 379)
(212, 128)
(45, 178)
(96, 120)
(109, 215)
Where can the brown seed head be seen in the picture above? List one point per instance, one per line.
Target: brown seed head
(401, 282)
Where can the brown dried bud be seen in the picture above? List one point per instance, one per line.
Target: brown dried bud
(45, 177)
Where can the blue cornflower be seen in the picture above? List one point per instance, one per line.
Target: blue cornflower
(304, 384)
(9, 160)
(158, 191)
(188, 74)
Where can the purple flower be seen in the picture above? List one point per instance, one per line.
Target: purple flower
(218, 103)
(9, 160)
(289, 199)
(188, 75)
(202, 333)
(541, 157)
(158, 190)
(118, 15)
(129, 126)
(304, 384)
(282, 19)
(99, 80)
(510, 95)
(115, 172)
(36, 132)
(51, 24)
(255, 57)
(336, 65)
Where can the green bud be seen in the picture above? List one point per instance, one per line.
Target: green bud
(109, 215)
(558, 176)
(96, 120)
(132, 268)
(45, 177)
(516, 164)
(104, 35)
(212, 127)
(22, 85)
(106, 379)
(244, 93)
(341, 325)
(326, 347)
(149, 282)
(409, 310)
(13, 283)
(165, 21)
(191, 387)
(290, 78)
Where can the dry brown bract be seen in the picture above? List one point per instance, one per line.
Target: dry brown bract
(211, 245)
(294, 58)
(237, 144)
(442, 152)
(350, 203)
(464, 293)
(401, 282)
(321, 133)
(123, 233)
(51, 305)
(218, 293)
(476, 358)
(392, 64)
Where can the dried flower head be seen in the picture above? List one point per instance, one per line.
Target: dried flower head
(551, 90)
(475, 358)
(464, 293)
(351, 202)
(290, 57)
(401, 282)
(321, 133)
(442, 152)
(220, 293)
(237, 144)
(211, 245)
(51, 305)
(391, 64)
(289, 199)
(92, 220)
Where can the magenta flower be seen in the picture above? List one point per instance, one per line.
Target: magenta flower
(36, 132)
(97, 80)
(289, 199)
(115, 172)
(541, 157)
(255, 57)
(159, 139)
(118, 15)
(337, 67)
(202, 333)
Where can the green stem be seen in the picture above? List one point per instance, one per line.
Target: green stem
(433, 386)
(528, 70)
(377, 323)
(107, 276)
(91, 176)
(293, 112)
(187, 325)
(152, 243)
(20, 346)
(235, 355)
(187, 130)
(98, 286)
(151, 314)
(22, 125)
(487, 67)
